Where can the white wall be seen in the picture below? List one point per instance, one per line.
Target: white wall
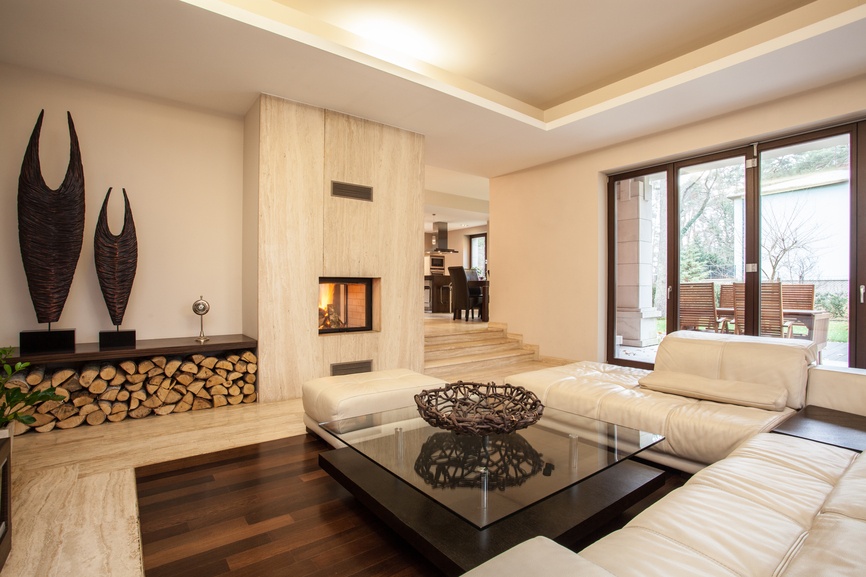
(182, 168)
(549, 222)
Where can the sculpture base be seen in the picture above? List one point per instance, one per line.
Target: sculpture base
(42, 342)
(110, 340)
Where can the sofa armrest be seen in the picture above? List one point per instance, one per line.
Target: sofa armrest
(537, 556)
(840, 389)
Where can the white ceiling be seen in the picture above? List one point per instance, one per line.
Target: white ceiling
(503, 84)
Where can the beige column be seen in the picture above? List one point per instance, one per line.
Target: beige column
(635, 314)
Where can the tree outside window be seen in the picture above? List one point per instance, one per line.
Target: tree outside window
(478, 254)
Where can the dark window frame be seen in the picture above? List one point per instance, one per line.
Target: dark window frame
(479, 235)
(857, 322)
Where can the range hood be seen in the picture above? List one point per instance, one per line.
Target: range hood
(441, 230)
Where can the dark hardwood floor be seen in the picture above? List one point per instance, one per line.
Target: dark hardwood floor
(269, 510)
(262, 510)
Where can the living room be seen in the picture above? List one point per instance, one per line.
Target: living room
(179, 146)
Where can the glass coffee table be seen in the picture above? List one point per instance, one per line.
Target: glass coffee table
(461, 500)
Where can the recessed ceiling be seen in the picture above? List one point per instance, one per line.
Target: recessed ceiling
(546, 52)
(503, 84)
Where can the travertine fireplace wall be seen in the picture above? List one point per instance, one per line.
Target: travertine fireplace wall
(295, 232)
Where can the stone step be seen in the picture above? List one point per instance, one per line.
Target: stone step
(452, 374)
(478, 362)
(450, 350)
(464, 336)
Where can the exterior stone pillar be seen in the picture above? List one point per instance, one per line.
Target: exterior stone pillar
(635, 314)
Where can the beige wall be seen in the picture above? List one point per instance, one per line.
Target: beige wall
(550, 257)
(182, 168)
(206, 228)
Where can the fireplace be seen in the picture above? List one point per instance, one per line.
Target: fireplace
(345, 305)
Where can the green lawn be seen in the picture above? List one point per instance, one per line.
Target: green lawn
(838, 332)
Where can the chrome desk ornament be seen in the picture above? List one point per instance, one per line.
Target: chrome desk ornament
(201, 308)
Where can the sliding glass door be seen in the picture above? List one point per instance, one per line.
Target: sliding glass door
(805, 196)
(711, 199)
(760, 240)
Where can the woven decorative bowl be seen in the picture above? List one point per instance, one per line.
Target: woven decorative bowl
(479, 409)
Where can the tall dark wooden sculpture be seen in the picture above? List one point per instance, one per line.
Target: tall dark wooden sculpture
(50, 233)
(116, 259)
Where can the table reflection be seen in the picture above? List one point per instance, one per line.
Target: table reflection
(447, 460)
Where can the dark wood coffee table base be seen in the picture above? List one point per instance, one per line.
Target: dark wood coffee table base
(456, 546)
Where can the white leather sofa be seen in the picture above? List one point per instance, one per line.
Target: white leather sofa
(341, 397)
(777, 506)
(707, 394)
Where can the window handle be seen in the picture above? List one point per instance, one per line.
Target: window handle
(670, 288)
(862, 293)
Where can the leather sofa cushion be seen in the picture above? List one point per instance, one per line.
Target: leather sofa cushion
(340, 397)
(698, 431)
(836, 537)
(765, 510)
(759, 360)
(778, 505)
(770, 396)
(537, 556)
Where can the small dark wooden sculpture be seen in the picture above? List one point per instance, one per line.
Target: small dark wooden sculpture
(116, 259)
(50, 226)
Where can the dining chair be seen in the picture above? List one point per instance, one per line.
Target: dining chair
(698, 307)
(726, 306)
(739, 307)
(797, 297)
(772, 319)
(726, 296)
(472, 275)
(461, 300)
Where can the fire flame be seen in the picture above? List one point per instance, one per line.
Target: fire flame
(326, 295)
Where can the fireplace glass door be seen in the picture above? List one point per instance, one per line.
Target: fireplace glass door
(345, 304)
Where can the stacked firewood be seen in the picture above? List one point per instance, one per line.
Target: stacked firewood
(157, 385)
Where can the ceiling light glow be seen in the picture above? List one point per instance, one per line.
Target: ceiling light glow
(397, 37)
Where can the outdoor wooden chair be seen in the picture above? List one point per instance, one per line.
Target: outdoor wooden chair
(698, 307)
(726, 296)
(772, 319)
(739, 289)
(726, 305)
(800, 297)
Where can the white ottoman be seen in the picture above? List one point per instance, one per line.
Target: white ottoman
(331, 398)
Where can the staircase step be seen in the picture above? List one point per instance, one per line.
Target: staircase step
(465, 336)
(456, 373)
(478, 361)
(459, 351)
(450, 350)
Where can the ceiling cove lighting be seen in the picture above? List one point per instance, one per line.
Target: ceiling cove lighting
(395, 37)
